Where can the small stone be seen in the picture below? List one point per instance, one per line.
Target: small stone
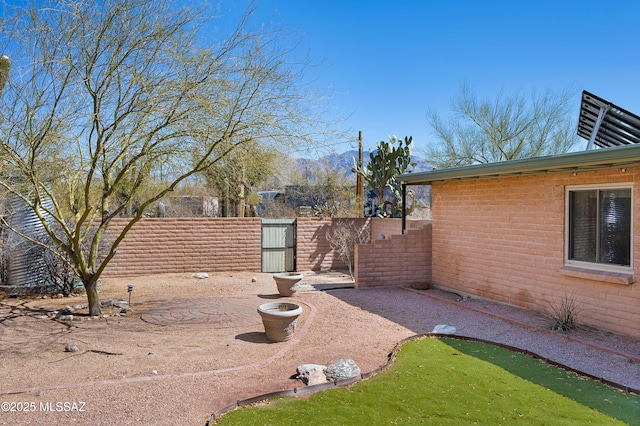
(45, 297)
(444, 329)
(200, 275)
(78, 306)
(42, 316)
(254, 279)
(154, 372)
(69, 309)
(124, 306)
(311, 374)
(106, 303)
(65, 317)
(342, 369)
(71, 347)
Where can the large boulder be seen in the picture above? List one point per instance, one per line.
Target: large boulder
(342, 369)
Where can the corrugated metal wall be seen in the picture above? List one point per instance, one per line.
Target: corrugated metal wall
(25, 264)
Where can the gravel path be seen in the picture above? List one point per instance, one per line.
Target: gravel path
(608, 356)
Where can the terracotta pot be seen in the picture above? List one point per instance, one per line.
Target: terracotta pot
(287, 282)
(421, 286)
(279, 319)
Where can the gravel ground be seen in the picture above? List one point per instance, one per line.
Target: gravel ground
(131, 371)
(608, 356)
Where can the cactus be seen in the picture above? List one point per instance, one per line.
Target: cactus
(388, 162)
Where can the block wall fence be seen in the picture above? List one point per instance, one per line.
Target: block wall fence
(396, 260)
(177, 245)
(171, 245)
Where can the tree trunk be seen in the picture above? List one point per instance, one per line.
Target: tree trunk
(92, 296)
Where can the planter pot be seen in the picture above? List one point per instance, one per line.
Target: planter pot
(287, 282)
(279, 319)
(421, 285)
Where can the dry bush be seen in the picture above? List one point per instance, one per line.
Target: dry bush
(343, 239)
(563, 314)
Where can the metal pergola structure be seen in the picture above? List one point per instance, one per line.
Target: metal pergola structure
(606, 125)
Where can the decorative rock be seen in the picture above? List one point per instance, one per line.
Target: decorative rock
(65, 317)
(71, 347)
(444, 329)
(254, 279)
(154, 372)
(106, 303)
(78, 306)
(342, 369)
(312, 374)
(69, 309)
(200, 275)
(124, 306)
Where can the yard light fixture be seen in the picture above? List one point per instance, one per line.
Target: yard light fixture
(129, 290)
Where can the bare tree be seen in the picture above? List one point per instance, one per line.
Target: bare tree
(509, 127)
(344, 237)
(110, 105)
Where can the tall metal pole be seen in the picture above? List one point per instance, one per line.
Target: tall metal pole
(359, 178)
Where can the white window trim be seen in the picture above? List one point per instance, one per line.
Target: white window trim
(591, 265)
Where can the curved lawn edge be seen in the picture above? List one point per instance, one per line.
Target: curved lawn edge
(306, 390)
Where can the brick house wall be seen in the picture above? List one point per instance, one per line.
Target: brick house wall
(397, 260)
(503, 239)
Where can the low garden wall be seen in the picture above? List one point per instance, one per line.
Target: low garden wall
(171, 245)
(396, 260)
(176, 245)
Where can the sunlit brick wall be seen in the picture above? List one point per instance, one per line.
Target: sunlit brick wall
(165, 245)
(397, 260)
(503, 239)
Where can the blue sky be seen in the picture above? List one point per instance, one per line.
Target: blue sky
(387, 62)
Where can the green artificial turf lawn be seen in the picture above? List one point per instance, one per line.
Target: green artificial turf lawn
(452, 382)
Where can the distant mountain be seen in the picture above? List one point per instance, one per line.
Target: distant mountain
(293, 170)
(345, 162)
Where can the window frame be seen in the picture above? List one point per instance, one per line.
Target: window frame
(594, 265)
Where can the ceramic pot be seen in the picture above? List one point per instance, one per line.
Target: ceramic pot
(287, 282)
(279, 319)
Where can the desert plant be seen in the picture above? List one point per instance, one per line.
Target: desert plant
(386, 163)
(563, 314)
(343, 239)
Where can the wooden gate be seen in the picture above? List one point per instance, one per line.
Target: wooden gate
(278, 245)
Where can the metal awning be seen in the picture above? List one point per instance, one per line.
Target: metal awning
(605, 124)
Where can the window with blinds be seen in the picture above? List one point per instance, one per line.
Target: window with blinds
(599, 226)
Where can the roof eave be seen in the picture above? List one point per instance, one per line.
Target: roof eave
(623, 156)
